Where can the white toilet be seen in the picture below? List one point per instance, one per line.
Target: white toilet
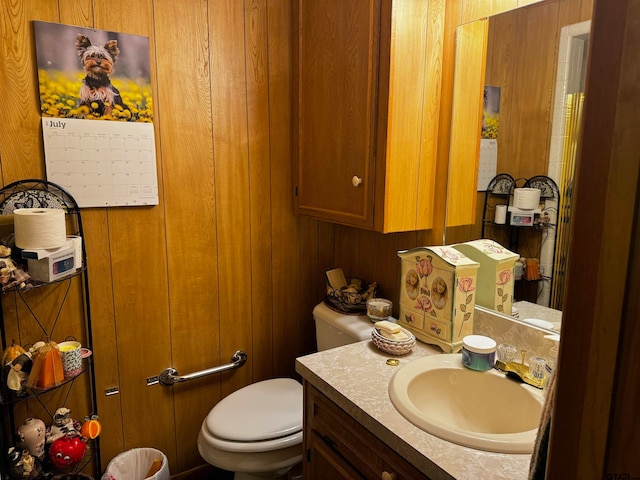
(257, 430)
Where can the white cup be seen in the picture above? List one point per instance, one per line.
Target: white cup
(71, 358)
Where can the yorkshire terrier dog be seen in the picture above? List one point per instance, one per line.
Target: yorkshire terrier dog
(98, 63)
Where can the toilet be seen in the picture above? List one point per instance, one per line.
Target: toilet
(256, 431)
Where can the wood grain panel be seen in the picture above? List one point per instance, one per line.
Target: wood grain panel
(137, 239)
(346, 250)
(407, 81)
(257, 62)
(453, 15)
(291, 329)
(533, 88)
(467, 113)
(501, 56)
(76, 12)
(21, 152)
(311, 285)
(477, 9)
(586, 10)
(232, 170)
(366, 255)
(105, 353)
(185, 126)
(386, 266)
(426, 216)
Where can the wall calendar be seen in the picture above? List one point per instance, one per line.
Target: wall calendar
(97, 114)
(102, 163)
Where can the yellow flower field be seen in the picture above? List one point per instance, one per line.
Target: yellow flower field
(59, 98)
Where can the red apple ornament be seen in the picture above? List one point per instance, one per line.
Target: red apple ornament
(67, 451)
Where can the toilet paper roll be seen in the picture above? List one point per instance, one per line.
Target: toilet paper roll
(526, 198)
(39, 228)
(501, 214)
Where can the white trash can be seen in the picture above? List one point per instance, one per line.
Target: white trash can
(134, 464)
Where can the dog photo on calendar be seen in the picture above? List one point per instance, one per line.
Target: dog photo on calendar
(93, 74)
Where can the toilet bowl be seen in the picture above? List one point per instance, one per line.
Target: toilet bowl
(257, 430)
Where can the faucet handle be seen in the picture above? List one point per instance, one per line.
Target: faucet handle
(537, 367)
(506, 352)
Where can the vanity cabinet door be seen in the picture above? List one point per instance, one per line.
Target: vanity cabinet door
(366, 77)
(332, 436)
(324, 463)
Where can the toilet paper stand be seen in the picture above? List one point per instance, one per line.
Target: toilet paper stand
(506, 226)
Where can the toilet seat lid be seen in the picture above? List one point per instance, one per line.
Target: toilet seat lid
(261, 411)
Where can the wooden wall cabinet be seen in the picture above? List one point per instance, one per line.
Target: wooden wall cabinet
(336, 446)
(366, 102)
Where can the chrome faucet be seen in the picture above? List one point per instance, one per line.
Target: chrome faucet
(522, 371)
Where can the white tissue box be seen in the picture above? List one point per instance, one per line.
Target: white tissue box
(55, 266)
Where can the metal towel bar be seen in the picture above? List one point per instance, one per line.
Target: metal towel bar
(170, 376)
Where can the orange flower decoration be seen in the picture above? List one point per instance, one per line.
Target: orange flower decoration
(91, 427)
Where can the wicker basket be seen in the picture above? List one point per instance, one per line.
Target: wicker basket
(348, 300)
(393, 347)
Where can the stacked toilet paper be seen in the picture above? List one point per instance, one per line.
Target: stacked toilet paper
(36, 228)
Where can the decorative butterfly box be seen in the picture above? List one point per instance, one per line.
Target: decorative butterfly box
(495, 275)
(437, 295)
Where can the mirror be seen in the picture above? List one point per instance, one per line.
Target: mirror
(535, 137)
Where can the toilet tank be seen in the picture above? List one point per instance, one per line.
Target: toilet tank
(334, 329)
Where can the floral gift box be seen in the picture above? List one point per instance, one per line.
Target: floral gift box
(495, 275)
(437, 295)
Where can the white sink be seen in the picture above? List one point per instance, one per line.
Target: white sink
(482, 410)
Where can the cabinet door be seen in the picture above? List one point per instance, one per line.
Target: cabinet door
(324, 463)
(344, 438)
(336, 44)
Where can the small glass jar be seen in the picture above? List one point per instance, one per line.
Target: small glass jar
(379, 309)
(478, 352)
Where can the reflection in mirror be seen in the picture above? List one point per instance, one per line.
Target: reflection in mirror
(537, 64)
(545, 318)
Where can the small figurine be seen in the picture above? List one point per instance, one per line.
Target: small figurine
(6, 264)
(31, 437)
(12, 275)
(62, 425)
(22, 465)
(67, 451)
(19, 370)
(91, 427)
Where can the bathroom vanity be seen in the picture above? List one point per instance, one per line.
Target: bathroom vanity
(353, 431)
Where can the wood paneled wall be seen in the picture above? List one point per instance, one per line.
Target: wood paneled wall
(221, 263)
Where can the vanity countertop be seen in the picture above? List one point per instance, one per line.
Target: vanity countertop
(356, 378)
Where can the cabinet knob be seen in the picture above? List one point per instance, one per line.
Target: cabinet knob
(388, 476)
(356, 180)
